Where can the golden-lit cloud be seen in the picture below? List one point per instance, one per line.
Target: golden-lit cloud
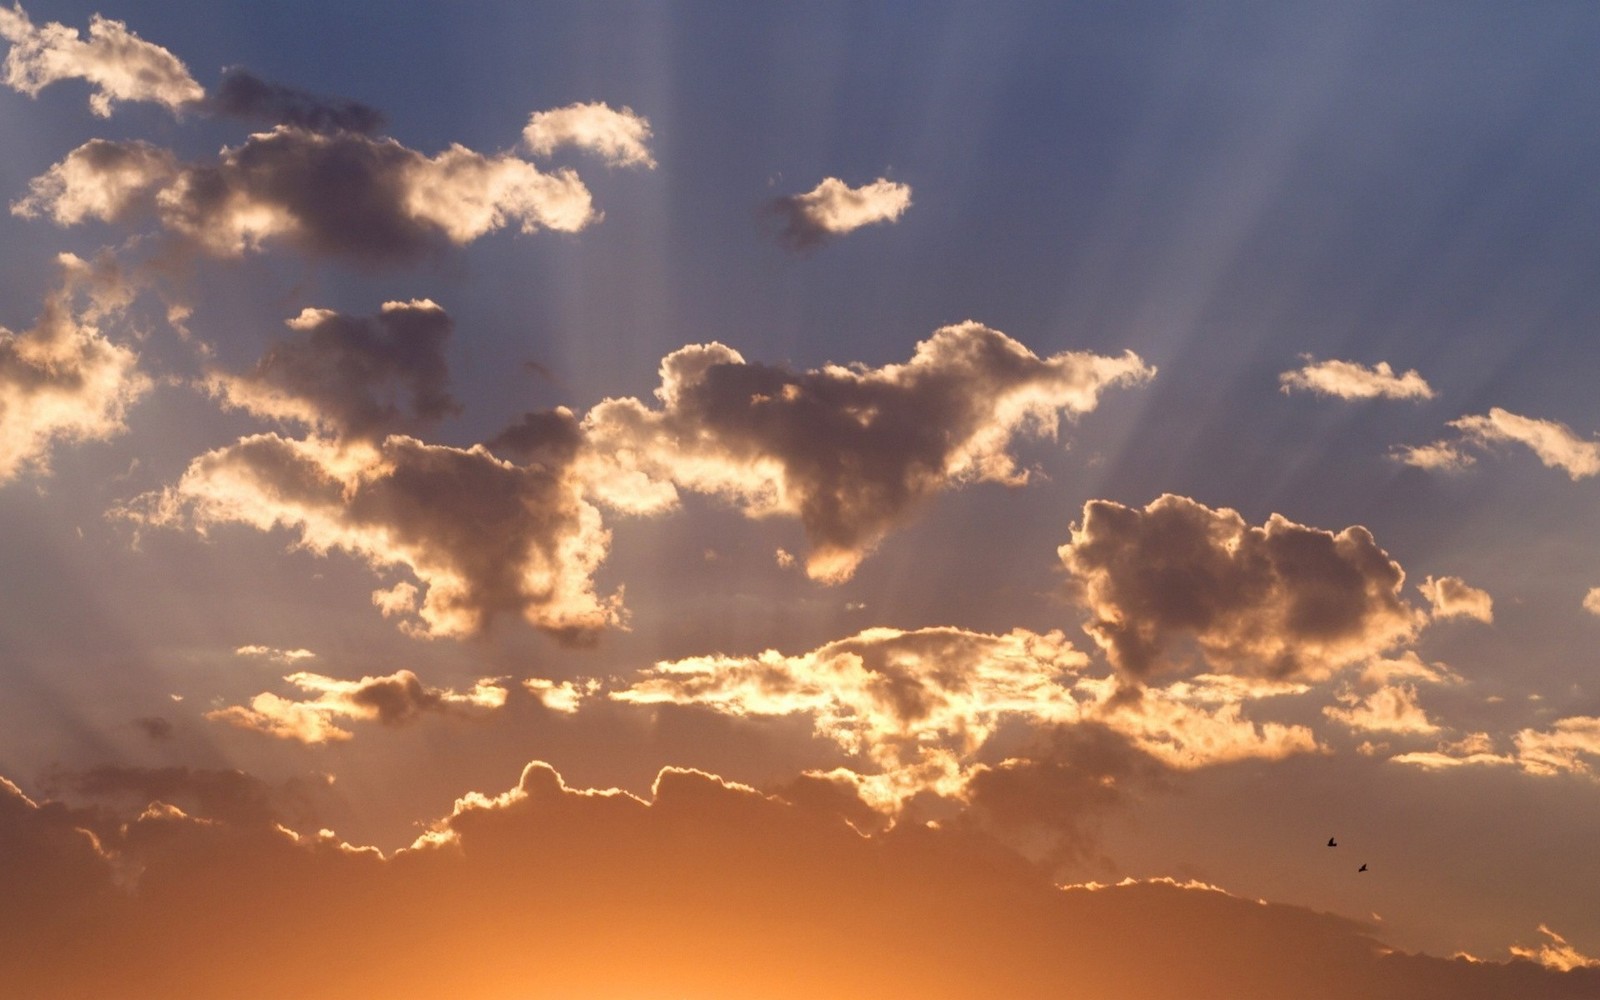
(1591, 601)
(1440, 456)
(338, 193)
(1556, 953)
(62, 380)
(481, 537)
(621, 138)
(395, 699)
(1389, 709)
(1570, 746)
(273, 653)
(834, 208)
(363, 376)
(1178, 582)
(117, 64)
(1554, 443)
(1351, 380)
(850, 451)
(565, 697)
(1453, 597)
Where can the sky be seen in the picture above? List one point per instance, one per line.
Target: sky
(720, 500)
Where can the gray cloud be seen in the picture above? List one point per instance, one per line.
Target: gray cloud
(242, 94)
(362, 376)
(393, 700)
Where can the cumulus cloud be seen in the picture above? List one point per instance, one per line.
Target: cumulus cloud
(1570, 746)
(363, 376)
(117, 64)
(565, 697)
(393, 700)
(1453, 597)
(1281, 602)
(1591, 601)
(621, 138)
(63, 380)
(482, 537)
(849, 451)
(834, 208)
(1351, 380)
(718, 889)
(242, 94)
(1554, 443)
(1389, 709)
(339, 193)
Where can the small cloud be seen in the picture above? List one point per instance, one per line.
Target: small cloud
(1554, 443)
(1591, 601)
(154, 727)
(117, 64)
(565, 697)
(1440, 456)
(1350, 380)
(242, 94)
(1453, 597)
(393, 700)
(784, 558)
(621, 138)
(1389, 709)
(833, 208)
(275, 654)
(1555, 953)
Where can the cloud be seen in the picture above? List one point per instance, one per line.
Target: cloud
(231, 796)
(717, 889)
(62, 380)
(1453, 597)
(242, 94)
(1554, 443)
(361, 376)
(1350, 380)
(849, 451)
(1555, 953)
(833, 208)
(341, 194)
(1281, 602)
(117, 64)
(565, 697)
(1565, 748)
(482, 537)
(1389, 709)
(273, 653)
(1591, 601)
(1441, 456)
(393, 700)
(621, 138)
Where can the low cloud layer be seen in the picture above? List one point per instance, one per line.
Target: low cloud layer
(1352, 380)
(708, 889)
(849, 451)
(482, 537)
(62, 380)
(834, 208)
(395, 699)
(621, 138)
(117, 64)
(1178, 583)
(1554, 443)
(351, 376)
(339, 193)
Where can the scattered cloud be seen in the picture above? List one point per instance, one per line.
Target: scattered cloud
(117, 64)
(849, 451)
(275, 654)
(1453, 597)
(621, 138)
(362, 376)
(1554, 443)
(242, 94)
(481, 536)
(1555, 953)
(565, 697)
(393, 700)
(341, 193)
(1440, 456)
(63, 380)
(1591, 601)
(1567, 747)
(1350, 380)
(1179, 581)
(834, 208)
(1389, 709)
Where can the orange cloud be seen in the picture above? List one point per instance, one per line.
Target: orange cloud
(849, 451)
(1453, 597)
(1350, 380)
(394, 699)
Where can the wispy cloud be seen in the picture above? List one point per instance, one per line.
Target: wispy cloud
(117, 64)
(394, 699)
(1352, 380)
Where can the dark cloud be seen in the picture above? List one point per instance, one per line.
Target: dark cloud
(393, 700)
(227, 795)
(548, 437)
(849, 451)
(242, 94)
(1280, 602)
(709, 889)
(365, 376)
(155, 727)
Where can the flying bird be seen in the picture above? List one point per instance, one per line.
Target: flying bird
(1332, 842)
(1361, 869)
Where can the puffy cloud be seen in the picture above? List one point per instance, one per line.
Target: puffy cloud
(365, 376)
(1282, 601)
(622, 138)
(565, 697)
(834, 208)
(334, 193)
(1591, 601)
(1554, 443)
(393, 700)
(1389, 709)
(481, 536)
(717, 889)
(62, 380)
(1453, 597)
(850, 451)
(1556, 953)
(242, 94)
(1350, 380)
(1198, 722)
(118, 64)
(1440, 456)
(1564, 748)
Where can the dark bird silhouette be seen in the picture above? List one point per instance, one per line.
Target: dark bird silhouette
(1361, 869)
(1332, 842)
